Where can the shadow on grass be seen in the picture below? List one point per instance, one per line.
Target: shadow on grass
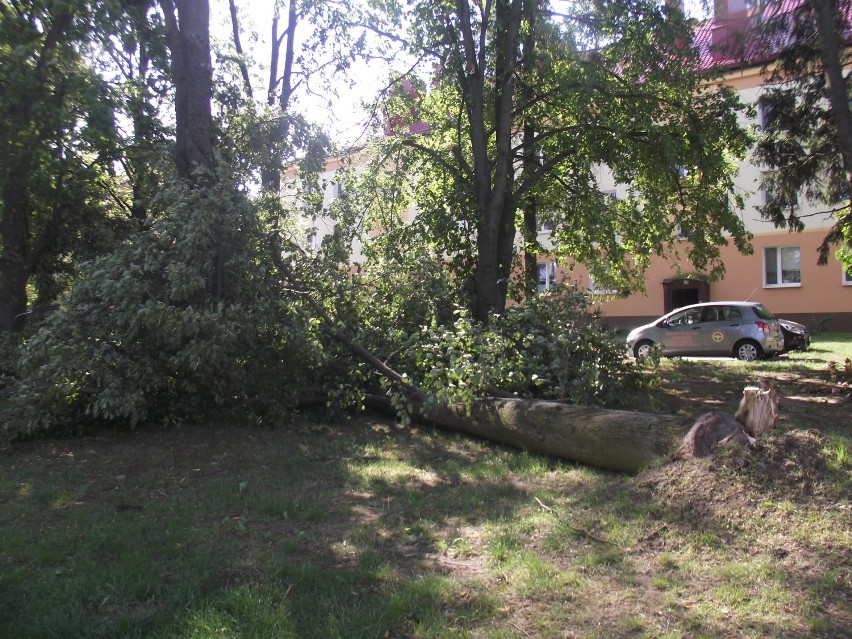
(201, 533)
(375, 531)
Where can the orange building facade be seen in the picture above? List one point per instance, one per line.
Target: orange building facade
(782, 272)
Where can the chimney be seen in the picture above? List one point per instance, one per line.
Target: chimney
(732, 9)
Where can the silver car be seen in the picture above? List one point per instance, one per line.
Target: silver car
(745, 330)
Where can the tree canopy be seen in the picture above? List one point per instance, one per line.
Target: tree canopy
(807, 138)
(529, 106)
(127, 123)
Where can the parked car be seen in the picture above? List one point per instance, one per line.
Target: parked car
(745, 330)
(796, 336)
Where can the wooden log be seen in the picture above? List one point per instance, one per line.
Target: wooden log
(617, 440)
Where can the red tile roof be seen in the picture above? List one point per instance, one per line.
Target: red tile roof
(731, 41)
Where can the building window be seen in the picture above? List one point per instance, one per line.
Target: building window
(598, 289)
(545, 226)
(337, 190)
(767, 113)
(313, 240)
(546, 276)
(847, 277)
(784, 200)
(781, 266)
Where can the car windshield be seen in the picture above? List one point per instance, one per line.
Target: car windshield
(763, 313)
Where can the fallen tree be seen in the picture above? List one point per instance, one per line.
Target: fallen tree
(617, 440)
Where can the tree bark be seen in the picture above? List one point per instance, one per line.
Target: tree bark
(14, 240)
(615, 440)
(271, 172)
(188, 38)
(493, 177)
(238, 47)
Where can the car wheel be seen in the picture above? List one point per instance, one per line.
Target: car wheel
(748, 351)
(643, 349)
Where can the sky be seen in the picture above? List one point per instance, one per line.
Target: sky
(343, 115)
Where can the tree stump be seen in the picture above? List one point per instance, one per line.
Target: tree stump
(757, 414)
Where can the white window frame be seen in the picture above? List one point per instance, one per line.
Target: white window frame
(846, 276)
(778, 267)
(596, 290)
(549, 276)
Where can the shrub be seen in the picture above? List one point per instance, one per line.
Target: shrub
(550, 348)
(180, 320)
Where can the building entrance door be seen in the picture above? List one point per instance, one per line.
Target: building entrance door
(683, 292)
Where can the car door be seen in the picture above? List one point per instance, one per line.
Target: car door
(682, 333)
(722, 328)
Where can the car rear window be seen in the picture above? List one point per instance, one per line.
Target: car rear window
(762, 312)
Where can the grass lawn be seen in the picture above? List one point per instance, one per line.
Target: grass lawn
(369, 529)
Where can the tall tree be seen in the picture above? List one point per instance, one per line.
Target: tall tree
(57, 140)
(312, 44)
(605, 86)
(807, 141)
(188, 38)
(131, 56)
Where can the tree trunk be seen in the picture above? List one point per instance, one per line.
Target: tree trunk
(16, 252)
(272, 170)
(188, 38)
(238, 47)
(492, 177)
(14, 240)
(615, 440)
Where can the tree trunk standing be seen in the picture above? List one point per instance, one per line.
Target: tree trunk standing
(838, 92)
(14, 239)
(238, 47)
(529, 150)
(271, 174)
(615, 440)
(493, 179)
(16, 251)
(530, 253)
(188, 39)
